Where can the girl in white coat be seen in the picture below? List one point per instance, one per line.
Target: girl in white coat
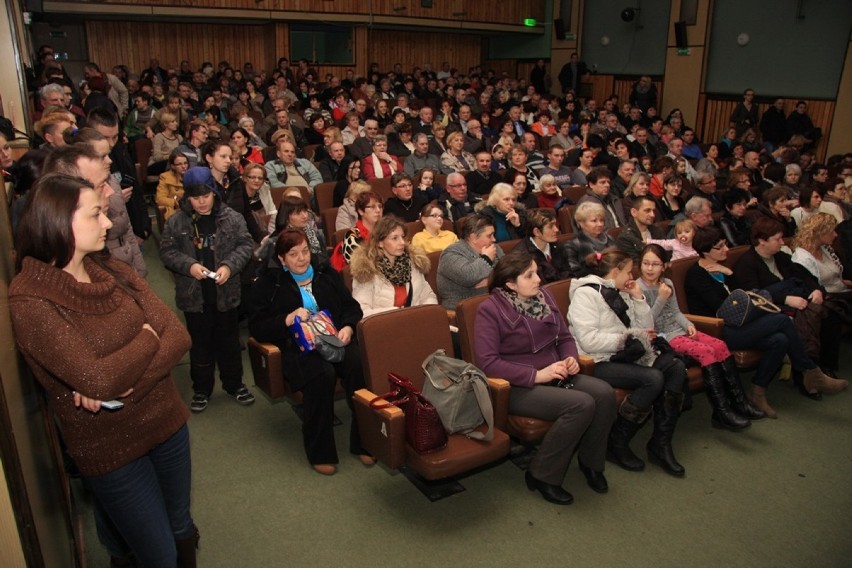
(608, 318)
(387, 273)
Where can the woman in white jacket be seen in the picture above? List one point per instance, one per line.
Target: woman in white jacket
(612, 323)
(387, 273)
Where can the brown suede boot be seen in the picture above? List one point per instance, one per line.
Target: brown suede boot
(758, 399)
(815, 379)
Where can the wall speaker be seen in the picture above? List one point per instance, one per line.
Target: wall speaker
(559, 25)
(680, 34)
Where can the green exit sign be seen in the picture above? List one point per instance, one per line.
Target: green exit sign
(530, 22)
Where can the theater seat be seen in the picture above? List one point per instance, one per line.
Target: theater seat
(398, 341)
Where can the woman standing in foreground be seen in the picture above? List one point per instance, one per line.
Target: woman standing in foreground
(110, 338)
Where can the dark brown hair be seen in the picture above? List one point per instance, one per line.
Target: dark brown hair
(44, 231)
(763, 228)
(601, 263)
(509, 268)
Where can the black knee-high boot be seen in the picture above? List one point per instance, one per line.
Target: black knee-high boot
(723, 415)
(630, 419)
(739, 403)
(666, 413)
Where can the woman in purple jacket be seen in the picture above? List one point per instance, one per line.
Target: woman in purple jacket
(522, 337)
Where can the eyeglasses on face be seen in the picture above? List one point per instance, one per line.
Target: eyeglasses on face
(651, 264)
(436, 215)
(374, 206)
(255, 178)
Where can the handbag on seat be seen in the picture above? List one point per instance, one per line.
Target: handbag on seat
(459, 391)
(423, 429)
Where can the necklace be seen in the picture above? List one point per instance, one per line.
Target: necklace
(410, 204)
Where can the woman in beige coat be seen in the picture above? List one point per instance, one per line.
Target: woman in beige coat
(387, 273)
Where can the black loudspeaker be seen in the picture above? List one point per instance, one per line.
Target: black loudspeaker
(559, 24)
(680, 34)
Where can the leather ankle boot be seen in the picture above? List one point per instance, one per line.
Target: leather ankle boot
(723, 415)
(666, 414)
(758, 399)
(815, 379)
(629, 421)
(739, 402)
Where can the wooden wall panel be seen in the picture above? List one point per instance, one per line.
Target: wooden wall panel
(715, 114)
(387, 47)
(134, 43)
(510, 12)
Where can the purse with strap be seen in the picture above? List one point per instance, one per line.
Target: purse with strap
(742, 307)
(318, 333)
(459, 391)
(423, 429)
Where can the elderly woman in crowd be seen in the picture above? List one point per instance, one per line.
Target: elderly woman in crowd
(388, 273)
(456, 157)
(522, 337)
(550, 258)
(774, 334)
(110, 339)
(170, 186)
(433, 237)
(509, 218)
(299, 286)
(610, 320)
(592, 237)
(260, 198)
(380, 164)
(464, 267)
(369, 207)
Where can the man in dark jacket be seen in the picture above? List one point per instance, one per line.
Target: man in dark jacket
(123, 171)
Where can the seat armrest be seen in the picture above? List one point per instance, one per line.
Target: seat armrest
(382, 429)
(499, 389)
(587, 365)
(711, 326)
(451, 315)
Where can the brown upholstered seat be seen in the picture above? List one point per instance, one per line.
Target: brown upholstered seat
(324, 193)
(269, 376)
(398, 341)
(524, 428)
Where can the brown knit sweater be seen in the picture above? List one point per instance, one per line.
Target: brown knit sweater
(88, 338)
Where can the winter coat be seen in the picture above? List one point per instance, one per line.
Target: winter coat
(596, 328)
(375, 293)
(234, 247)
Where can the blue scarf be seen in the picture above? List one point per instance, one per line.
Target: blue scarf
(308, 301)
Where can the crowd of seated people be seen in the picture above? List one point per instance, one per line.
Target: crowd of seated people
(578, 189)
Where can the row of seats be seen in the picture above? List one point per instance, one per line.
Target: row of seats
(398, 341)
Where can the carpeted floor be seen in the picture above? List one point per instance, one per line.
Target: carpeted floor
(776, 495)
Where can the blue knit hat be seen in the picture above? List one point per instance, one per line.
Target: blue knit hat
(198, 181)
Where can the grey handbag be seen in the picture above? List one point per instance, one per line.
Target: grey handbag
(459, 391)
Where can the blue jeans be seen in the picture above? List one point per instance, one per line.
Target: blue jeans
(776, 336)
(147, 501)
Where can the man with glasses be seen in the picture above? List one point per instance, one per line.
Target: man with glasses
(705, 186)
(456, 200)
(698, 210)
(405, 204)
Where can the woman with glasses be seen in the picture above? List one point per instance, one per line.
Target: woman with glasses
(774, 334)
(731, 410)
(433, 237)
(369, 207)
(260, 198)
(170, 187)
(388, 273)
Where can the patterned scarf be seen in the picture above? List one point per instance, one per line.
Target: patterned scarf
(398, 273)
(534, 307)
